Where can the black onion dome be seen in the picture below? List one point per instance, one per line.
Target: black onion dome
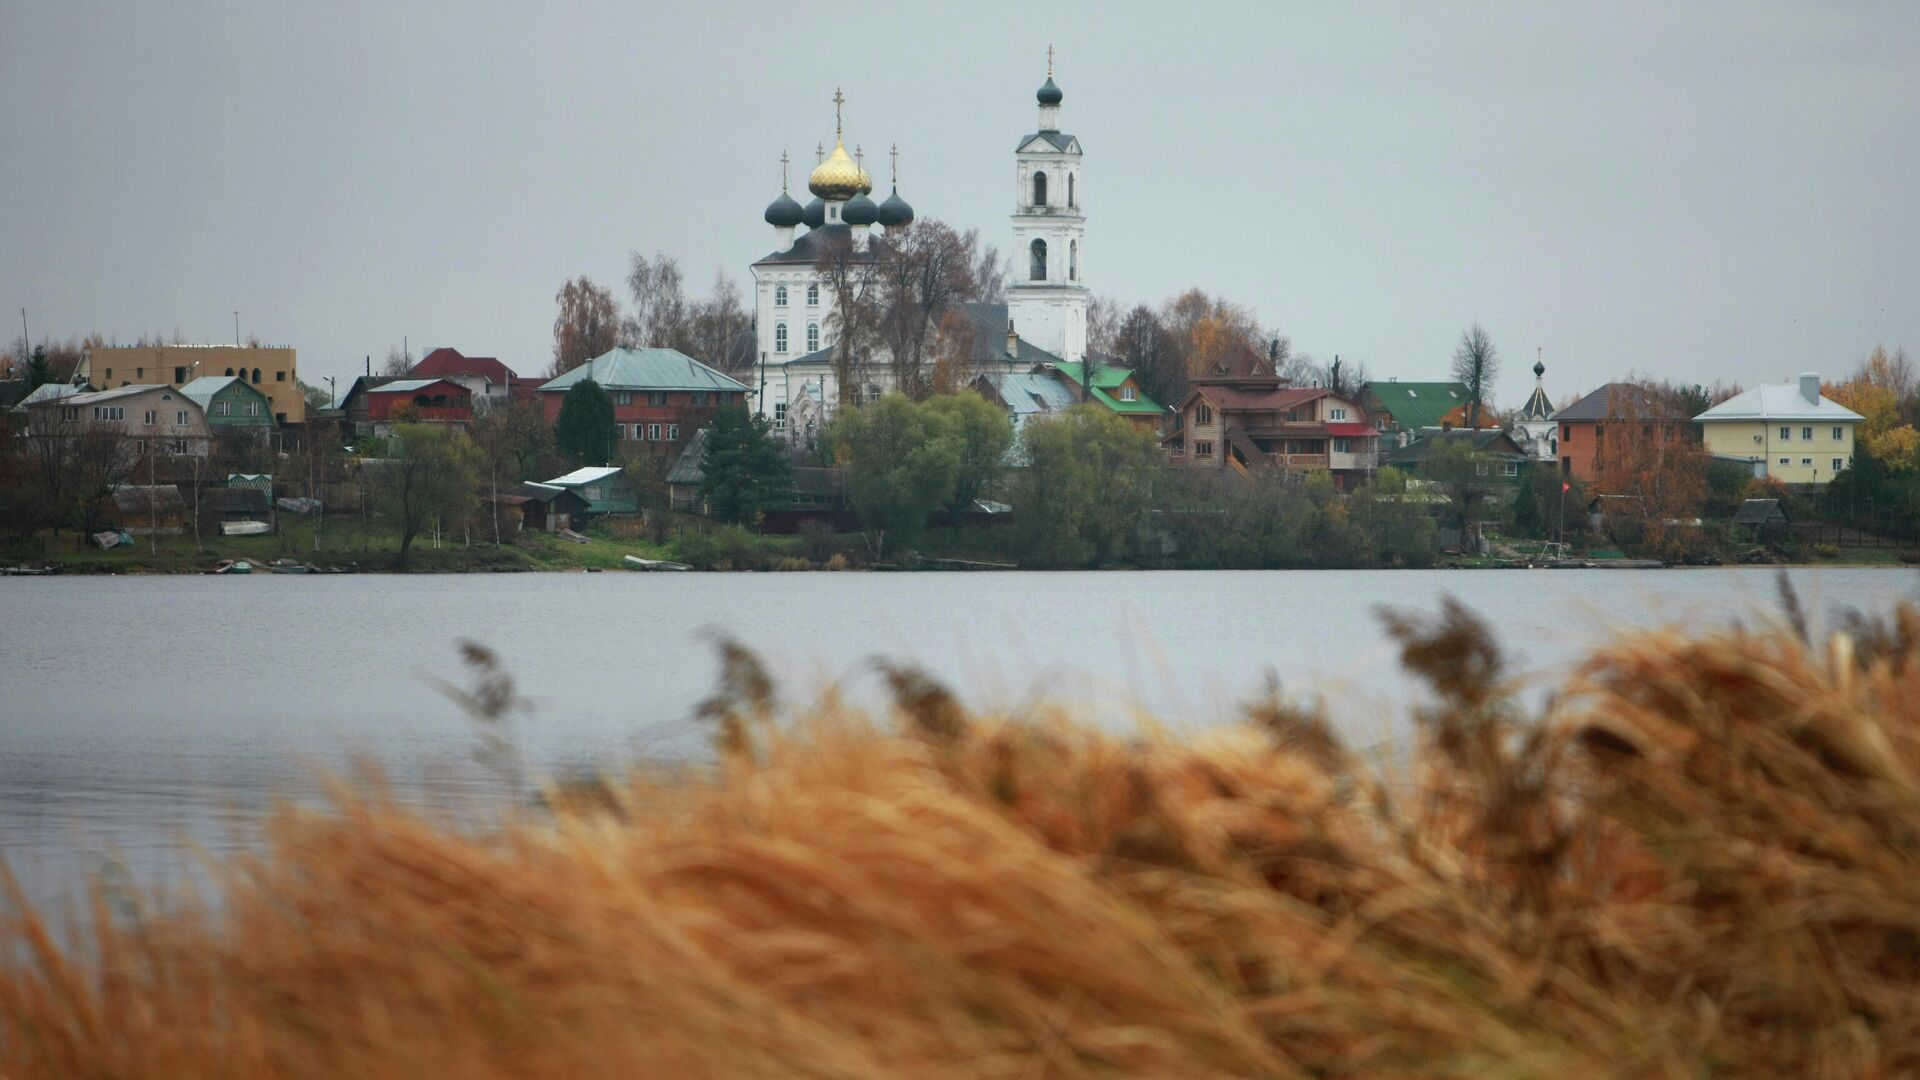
(815, 215)
(860, 210)
(1539, 369)
(784, 212)
(1050, 94)
(895, 211)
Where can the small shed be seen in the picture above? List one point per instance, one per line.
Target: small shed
(604, 488)
(543, 507)
(143, 509)
(1762, 517)
(243, 502)
(687, 474)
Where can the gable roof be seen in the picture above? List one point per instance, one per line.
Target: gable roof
(444, 362)
(645, 369)
(990, 337)
(1491, 442)
(411, 386)
(1060, 141)
(1778, 401)
(1759, 512)
(808, 245)
(94, 397)
(1612, 402)
(1237, 361)
(591, 474)
(1238, 399)
(203, 389)
(1415, 405)
(1105, 388)
(1537, 406)
(138, 498)
(45, 392)
(1027, 394)
(691, 467)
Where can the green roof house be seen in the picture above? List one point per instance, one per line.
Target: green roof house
(1113, 387)
(1408, 407)
(229, 402)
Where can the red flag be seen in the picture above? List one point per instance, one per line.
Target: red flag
(1565, 487)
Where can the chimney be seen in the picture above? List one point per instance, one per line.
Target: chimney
(1810, 386)
(1013, 342)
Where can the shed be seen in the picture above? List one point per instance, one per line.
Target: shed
(143, 509)
(242, 502)
(604, 487)
(1761, 514)
(687, 474)
(544, 507)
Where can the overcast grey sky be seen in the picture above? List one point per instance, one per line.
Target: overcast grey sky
(1724, 191)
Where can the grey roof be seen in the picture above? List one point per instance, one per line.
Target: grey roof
(202, 389)
(45, 392)
(990, 337)
(691, 466)
(806, 246)
(406, 386)
(94, 396)
(1491, 442)
(137, 498)
(1027, 395)
(1060, 140)
(235, 500)
(543, 493)
(1537, 406)
(1759, 512)
(1612, 401)
(646, 369)
(1779, 401)
(588, 475)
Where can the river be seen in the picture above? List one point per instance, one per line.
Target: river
(145, 718)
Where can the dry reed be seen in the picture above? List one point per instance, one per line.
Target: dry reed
(1701, 862)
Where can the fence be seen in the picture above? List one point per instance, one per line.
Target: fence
(1885, 533)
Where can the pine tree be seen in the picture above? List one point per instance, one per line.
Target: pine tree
(584, 431)
(745, 471)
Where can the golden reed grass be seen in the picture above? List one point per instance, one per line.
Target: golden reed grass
(1700, 862)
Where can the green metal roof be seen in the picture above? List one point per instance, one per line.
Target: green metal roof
(1417, 405)
(1106, 385)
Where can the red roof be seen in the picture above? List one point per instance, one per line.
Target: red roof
(443, 362)
(1238, 400)
(1351, 429)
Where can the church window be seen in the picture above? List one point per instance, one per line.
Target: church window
(1073, 260)
(779, 296)
(1038, 271)
(779, 337)
(1039, 190)
(256, 376)
(813, 295)
(813, 336)
(1073, 197)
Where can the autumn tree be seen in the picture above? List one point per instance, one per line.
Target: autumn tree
(510, 438)
(434, 482)
(1476, 365)
(921, 274)
(847, 273)
(1650, 476)
(953, 350)
(587, 326)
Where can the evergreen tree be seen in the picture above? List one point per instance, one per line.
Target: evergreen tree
(39, 370)
(584, 432)
(745, 469)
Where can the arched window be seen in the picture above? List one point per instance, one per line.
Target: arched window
(779, 296)
(422, 400)
(256, 376)
(440, 400)
(1039, 189)
(779, 337)
(813, 336)
(1038, 270)
(1072, 195)
(229, 372)
(813, 295)
(1073, 258)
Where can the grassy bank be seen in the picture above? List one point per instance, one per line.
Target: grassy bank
(1700, 862)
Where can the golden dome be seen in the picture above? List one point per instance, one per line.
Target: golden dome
(838, 178)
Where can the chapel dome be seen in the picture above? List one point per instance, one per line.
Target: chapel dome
(860, 211)
(815, 215)
(1049, 93)
(784, 212)
(895, 211)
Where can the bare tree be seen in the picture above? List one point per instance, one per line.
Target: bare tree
(718, 331)
(587, 326)
(922, 272)
(660, 313)
(399, 361)
(953, 353)
(1104, 315)
(1345, 377)
(848, 274)
(1144, 345)
(1476, 364)
(988, 273)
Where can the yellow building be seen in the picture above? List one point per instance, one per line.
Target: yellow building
(1786, 431)
(271, 371)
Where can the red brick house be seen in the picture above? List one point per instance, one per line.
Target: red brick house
(371, 403)
(660, 396)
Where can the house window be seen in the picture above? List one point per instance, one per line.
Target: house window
(1839, 434)
(1203, 448)
(813, 295)
(1203, 413)
(1786, 461)
(1039, 190)
(780, 337)
(619, 432)
(180, 374)
(1343, 446)
(673, 432)
(653, 432)
(1566, 432)
(151, 418)
(1839, 464)
(1126, 393)
(1073, 195)
(1807, 433)
(779, 296)
(1073, 260)
(279, 376)
(1336, 414)
(813, 336)
(1806, 461)
(657, 398)
(699, 397)
(139, 373)
(780, 415)
(1786, 434)
(1479, 468)
(256, 376)
(222, 408)
(180, 418)
(110, 373)
(623, 397)
(1510, 468)
(253, 408)
(1037, 261)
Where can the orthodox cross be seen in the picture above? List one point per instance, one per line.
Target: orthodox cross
(895, 155)
(1049, 60)
(783, 172)
(839, 99)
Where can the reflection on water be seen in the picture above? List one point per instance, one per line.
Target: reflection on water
(143, 717)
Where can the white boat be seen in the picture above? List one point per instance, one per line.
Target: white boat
(245, 528)
(639, 563)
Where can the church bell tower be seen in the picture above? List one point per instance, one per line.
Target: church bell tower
(1047, 293)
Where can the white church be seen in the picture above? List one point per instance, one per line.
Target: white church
(1043, 321)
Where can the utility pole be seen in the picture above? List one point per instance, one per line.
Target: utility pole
(236, 329)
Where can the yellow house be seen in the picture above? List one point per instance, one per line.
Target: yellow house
(1786, 431)
(271, 371)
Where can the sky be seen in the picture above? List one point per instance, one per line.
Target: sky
(1707, 191)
